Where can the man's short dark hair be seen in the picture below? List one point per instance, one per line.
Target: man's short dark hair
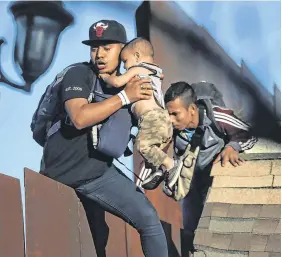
(182, 90)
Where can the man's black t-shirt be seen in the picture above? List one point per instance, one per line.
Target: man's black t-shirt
(69, 156)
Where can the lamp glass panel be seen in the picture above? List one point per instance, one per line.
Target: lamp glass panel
(42, 42)
(21, 22)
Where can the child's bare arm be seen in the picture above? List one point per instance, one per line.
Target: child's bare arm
(119, 81)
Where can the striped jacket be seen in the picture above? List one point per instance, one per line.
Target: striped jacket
(237, 132)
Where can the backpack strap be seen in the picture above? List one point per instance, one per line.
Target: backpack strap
(57, 125)
(198, 135)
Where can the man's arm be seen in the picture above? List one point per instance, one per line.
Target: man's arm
(239, 135)
(83, 114)
(119, 81)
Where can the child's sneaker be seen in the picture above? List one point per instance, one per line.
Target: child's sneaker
(153, 180)
(173, 174)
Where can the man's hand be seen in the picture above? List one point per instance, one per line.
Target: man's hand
(138, 89)
(229, 155)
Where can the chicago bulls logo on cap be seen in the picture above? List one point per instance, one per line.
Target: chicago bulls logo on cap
(100, 27)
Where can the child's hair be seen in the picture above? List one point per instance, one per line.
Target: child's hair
(182, 90)
(140, 45)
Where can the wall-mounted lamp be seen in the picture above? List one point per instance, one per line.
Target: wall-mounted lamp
(39, 25)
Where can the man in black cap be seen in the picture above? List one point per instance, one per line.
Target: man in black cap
(69, 156)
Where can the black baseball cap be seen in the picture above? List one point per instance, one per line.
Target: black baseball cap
(106, 31)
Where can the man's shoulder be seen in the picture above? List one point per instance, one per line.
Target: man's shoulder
(77, 81)
(81, 68)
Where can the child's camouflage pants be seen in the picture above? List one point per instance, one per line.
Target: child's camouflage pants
(155, 132)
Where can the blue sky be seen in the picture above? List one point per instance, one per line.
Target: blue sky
(248, 30)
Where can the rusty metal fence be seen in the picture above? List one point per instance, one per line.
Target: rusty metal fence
(11, 218)
(57, 226)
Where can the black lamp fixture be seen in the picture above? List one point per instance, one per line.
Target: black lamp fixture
(39, 25)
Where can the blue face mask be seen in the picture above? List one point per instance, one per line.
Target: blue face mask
(189, 133)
